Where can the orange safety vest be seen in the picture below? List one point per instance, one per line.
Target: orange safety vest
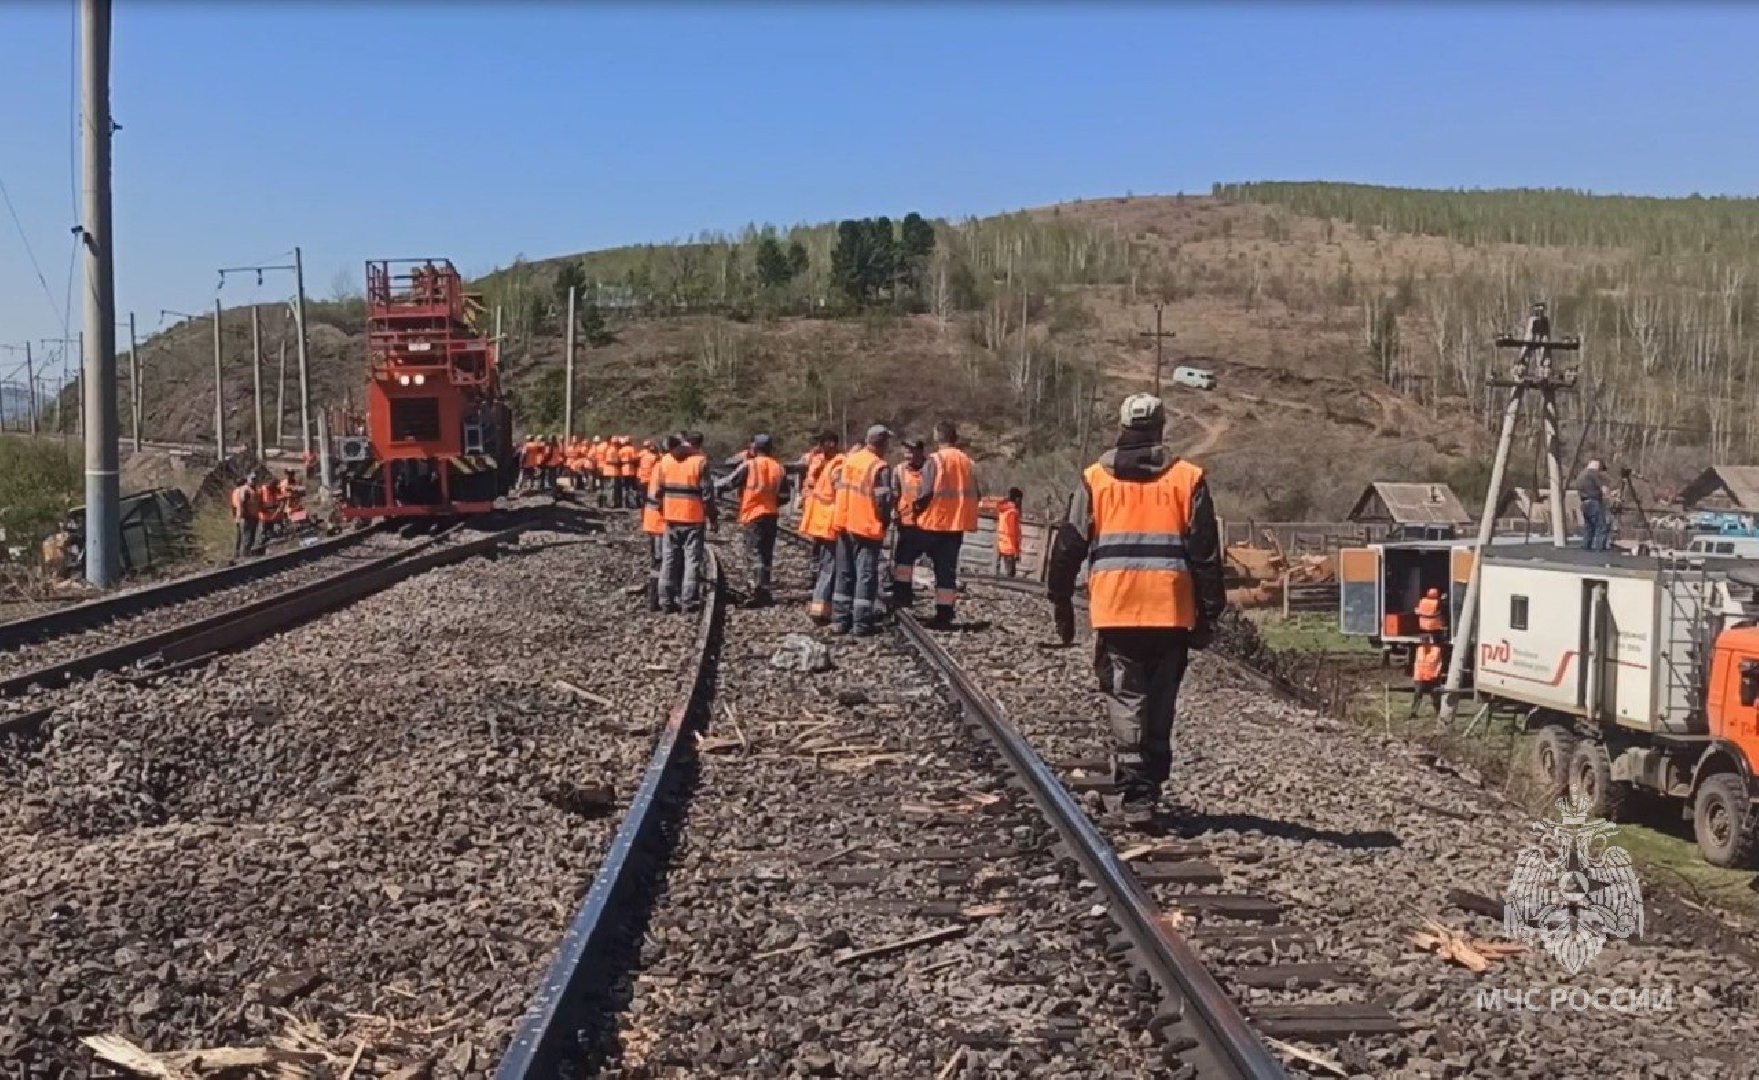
(954, 506)
(680, 484)
(1426, 667)
(1008, 529)
(814, 462)
(268, 506)
(818, 518)
(1429, 617)
(909, 487)
(1137, 575)
(626, 455)
(653, 522)
(534, 455)
(762, 495)
(644, 467)
(855, 510)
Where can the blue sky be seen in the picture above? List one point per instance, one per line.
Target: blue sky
(481, 131)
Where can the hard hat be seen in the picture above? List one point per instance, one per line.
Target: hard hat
(1142, 411)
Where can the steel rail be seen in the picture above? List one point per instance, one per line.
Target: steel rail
(547, 1032)
(83, 616)
(1224, 1037)
(255, 621)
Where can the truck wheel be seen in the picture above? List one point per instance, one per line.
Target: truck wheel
(1591, 782)
(1552, 750)
(1724, 821)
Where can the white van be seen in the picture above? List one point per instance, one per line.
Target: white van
(1197, 378)
(1738, 547)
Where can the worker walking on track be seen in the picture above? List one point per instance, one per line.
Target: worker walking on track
(628, 459)
(946, 510)
(863, 512)
(760, 481)
(1143, 522)
(687, 503)
(1428, 667)
(908, 547)
(818, 522)
(653, 522)
(244, 517)
(1008, 532)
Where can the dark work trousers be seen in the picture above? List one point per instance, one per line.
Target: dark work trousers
(942, 549)
(855, 600)
(1145, 669)
(904, 555)
(247, 539)
(681, 566)
(824, 582)
(760, 544)
(1424, 688)
(1010, 564)
(656, 553)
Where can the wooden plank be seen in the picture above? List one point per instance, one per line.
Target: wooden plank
(843, 879)
(1245, 908)
(1324, 1022)
(1186, 872)
(1277, 976)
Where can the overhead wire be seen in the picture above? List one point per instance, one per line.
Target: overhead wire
(31, 254)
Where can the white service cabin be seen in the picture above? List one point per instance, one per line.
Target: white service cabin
(1611, 638)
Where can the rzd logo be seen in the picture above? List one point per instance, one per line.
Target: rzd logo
(1489, 653)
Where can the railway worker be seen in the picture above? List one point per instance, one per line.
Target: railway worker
(653, 523)
(1430, 617)
(601, 457)
(1143, 522)
(1596, 521)
(531, 463)
(628, 461)
(818, 522)
(1008, 532)
(268, 512)
(760, 481)
(863, 512)
(908, 546)
(1428, 669)
(946, 509)
(824, 447)
(244, 517)
(687, 504)
(555, 456)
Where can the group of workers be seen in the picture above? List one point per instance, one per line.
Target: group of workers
(262, 508)
(612, 467)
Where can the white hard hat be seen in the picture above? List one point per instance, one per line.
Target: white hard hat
(1142, 411)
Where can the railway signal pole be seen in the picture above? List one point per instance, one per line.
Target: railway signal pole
(1532, 371)
(1159, 337)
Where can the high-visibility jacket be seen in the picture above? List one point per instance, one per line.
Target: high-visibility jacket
(815, 461)
(600, 453)
(909, 487)
(644, 467)
(1429, 617)
(626, 458)
(653, 522)
(954, 505)
(680, 484)
(533, 455)
(268, 504)
(762, 495)
(857, 512)
(552, 456)
(1008, 529)
(818, 518)
(1137, 575)
(1426, 664)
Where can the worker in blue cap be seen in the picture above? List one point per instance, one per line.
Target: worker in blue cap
(760, 481)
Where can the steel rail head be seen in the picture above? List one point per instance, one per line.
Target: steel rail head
(1219, 1024)
(547, 1031)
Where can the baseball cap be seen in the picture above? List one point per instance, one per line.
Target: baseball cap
(761, 442)
(1142, 411)
(913, 442)
(878, 431)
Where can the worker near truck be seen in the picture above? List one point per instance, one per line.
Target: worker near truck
(1430, 618)
(1596, 520)
(946, 510)
(863, 513)
(1428, 671)
(1008, 532)
(760, 482)
(907, 548)
(687, 504)
(1143, 523)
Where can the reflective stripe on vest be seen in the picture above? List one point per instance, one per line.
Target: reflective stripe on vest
(954, 506)
(762, 495)
(1137, 575)
(680, 489)
(855, 510)
(909, 488)
(819, 517)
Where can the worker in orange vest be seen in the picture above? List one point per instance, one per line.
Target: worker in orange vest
(824, 448)
(601, 456)
(818, 522)
(553, 461)
(687, 503)
(1143, 523)
(863, 512)
(268, 513)
(531, 463)
(946, 509)
(762, 484)
(653, 520)
(1008, 532)
(628, 458)
(908, 546)
(244, 516)
(1430, 618)
(1428, 666)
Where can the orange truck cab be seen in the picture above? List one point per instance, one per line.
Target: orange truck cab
(1724, 816)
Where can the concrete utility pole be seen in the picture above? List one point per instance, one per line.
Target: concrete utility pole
(134, 381)
(30, 376)
(281, 397)
(304, 370)
(568, 376)
(256, 379)
(219, 393)
(1159, 337)
(103, 539)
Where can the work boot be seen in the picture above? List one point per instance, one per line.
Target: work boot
(943, 619)
(760, 598)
